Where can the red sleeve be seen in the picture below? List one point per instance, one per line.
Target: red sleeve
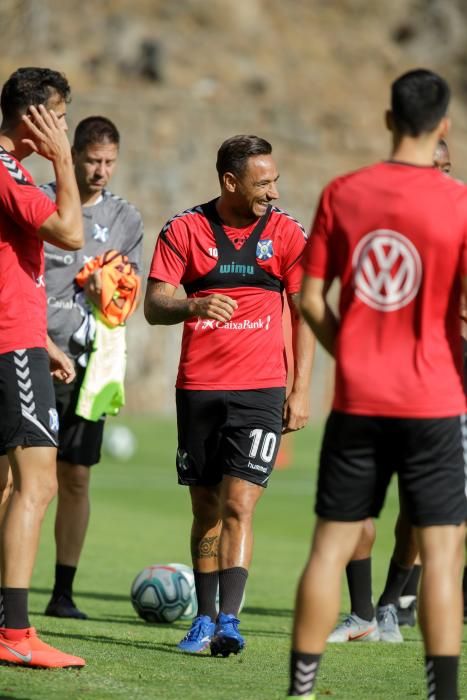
(22, 201)
(317, 259)
(171, 253)
(292, 271)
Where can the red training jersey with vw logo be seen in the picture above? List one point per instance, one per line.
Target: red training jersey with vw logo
(395, 235)
(252, 265)
(23, 210)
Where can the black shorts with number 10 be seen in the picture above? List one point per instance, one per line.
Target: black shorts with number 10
(228, 433)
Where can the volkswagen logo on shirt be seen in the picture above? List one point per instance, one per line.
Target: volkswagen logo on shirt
(387, 270)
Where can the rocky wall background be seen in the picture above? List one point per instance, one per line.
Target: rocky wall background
(179, 76)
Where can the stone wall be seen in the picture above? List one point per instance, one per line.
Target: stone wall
(179, 76)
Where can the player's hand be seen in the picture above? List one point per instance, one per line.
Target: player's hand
(217, 306)
(61, 366)
(93, 287)
(48, 136)
(296, 411)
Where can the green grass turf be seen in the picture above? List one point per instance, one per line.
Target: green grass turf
(141, 517)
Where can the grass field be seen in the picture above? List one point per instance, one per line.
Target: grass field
(140, 517)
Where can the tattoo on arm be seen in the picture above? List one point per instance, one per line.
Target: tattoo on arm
(204, 547)
(162, 308)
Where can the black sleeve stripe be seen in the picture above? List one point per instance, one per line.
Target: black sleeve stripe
(292, 218)
(164, 239)
(294, 262)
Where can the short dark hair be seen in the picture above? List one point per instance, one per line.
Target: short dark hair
(419, 100)
(95, 130)
(233, 154)
(30, 86)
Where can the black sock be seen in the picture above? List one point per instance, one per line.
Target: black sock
(15, 607)
(303, 670)
(206, 590)
(2, 613)
(232, 584)
(395, 582)
(359, 581)
(64, 576)
(441, 677)
(464, 587)
(411, 587)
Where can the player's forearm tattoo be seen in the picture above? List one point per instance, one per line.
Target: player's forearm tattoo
(163, 309)
(204, 547)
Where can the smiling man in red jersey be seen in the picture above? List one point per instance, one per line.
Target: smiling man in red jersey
(395, 235)
(234, 256)
(33, 103)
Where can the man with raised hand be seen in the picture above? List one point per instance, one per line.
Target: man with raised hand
(233, 255)
(33, 103)
(395, 235)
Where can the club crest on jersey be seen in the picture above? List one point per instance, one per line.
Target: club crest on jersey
(264, 249)
(53, 420)
(100, 233)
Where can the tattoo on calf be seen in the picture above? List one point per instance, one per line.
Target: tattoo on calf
(205, 548)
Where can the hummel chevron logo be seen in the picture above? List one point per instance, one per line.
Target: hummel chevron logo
(12, 167)
(25, 386)
(26, 397)
(24, 374)
(21, 362)
(304, 675)
(29, 409)
(27, 658)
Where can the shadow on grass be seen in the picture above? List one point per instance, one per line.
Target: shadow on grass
(113, 597)
(268, 612)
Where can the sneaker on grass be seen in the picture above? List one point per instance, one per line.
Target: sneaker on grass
(24, 648)
(227, 639)
(388, 626)
(63, 606)
(355, 629)
(198, 636)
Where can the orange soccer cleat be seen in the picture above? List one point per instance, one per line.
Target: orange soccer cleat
(24, 648)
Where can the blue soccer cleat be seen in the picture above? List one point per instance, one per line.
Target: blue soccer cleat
(227, 639)
(198, 636)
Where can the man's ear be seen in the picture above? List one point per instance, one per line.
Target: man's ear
(444, 127)
(230, 182)
(388, 120)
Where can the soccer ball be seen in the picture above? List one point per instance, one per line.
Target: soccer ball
(187, 573)
(119, 442)
(160, 593)
(192, 608)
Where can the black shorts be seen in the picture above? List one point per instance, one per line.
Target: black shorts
(233, 433)
(27, 402)
(359, 454)
(80, 440)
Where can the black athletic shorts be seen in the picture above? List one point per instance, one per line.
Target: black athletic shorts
(359, 454)
(79, 440)
(27, 402)
(233, 433)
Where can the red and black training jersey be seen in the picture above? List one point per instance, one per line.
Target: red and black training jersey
(23, 210)
(251, 265)
(395, 235)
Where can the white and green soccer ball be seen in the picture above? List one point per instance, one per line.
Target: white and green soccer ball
(160, 593)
